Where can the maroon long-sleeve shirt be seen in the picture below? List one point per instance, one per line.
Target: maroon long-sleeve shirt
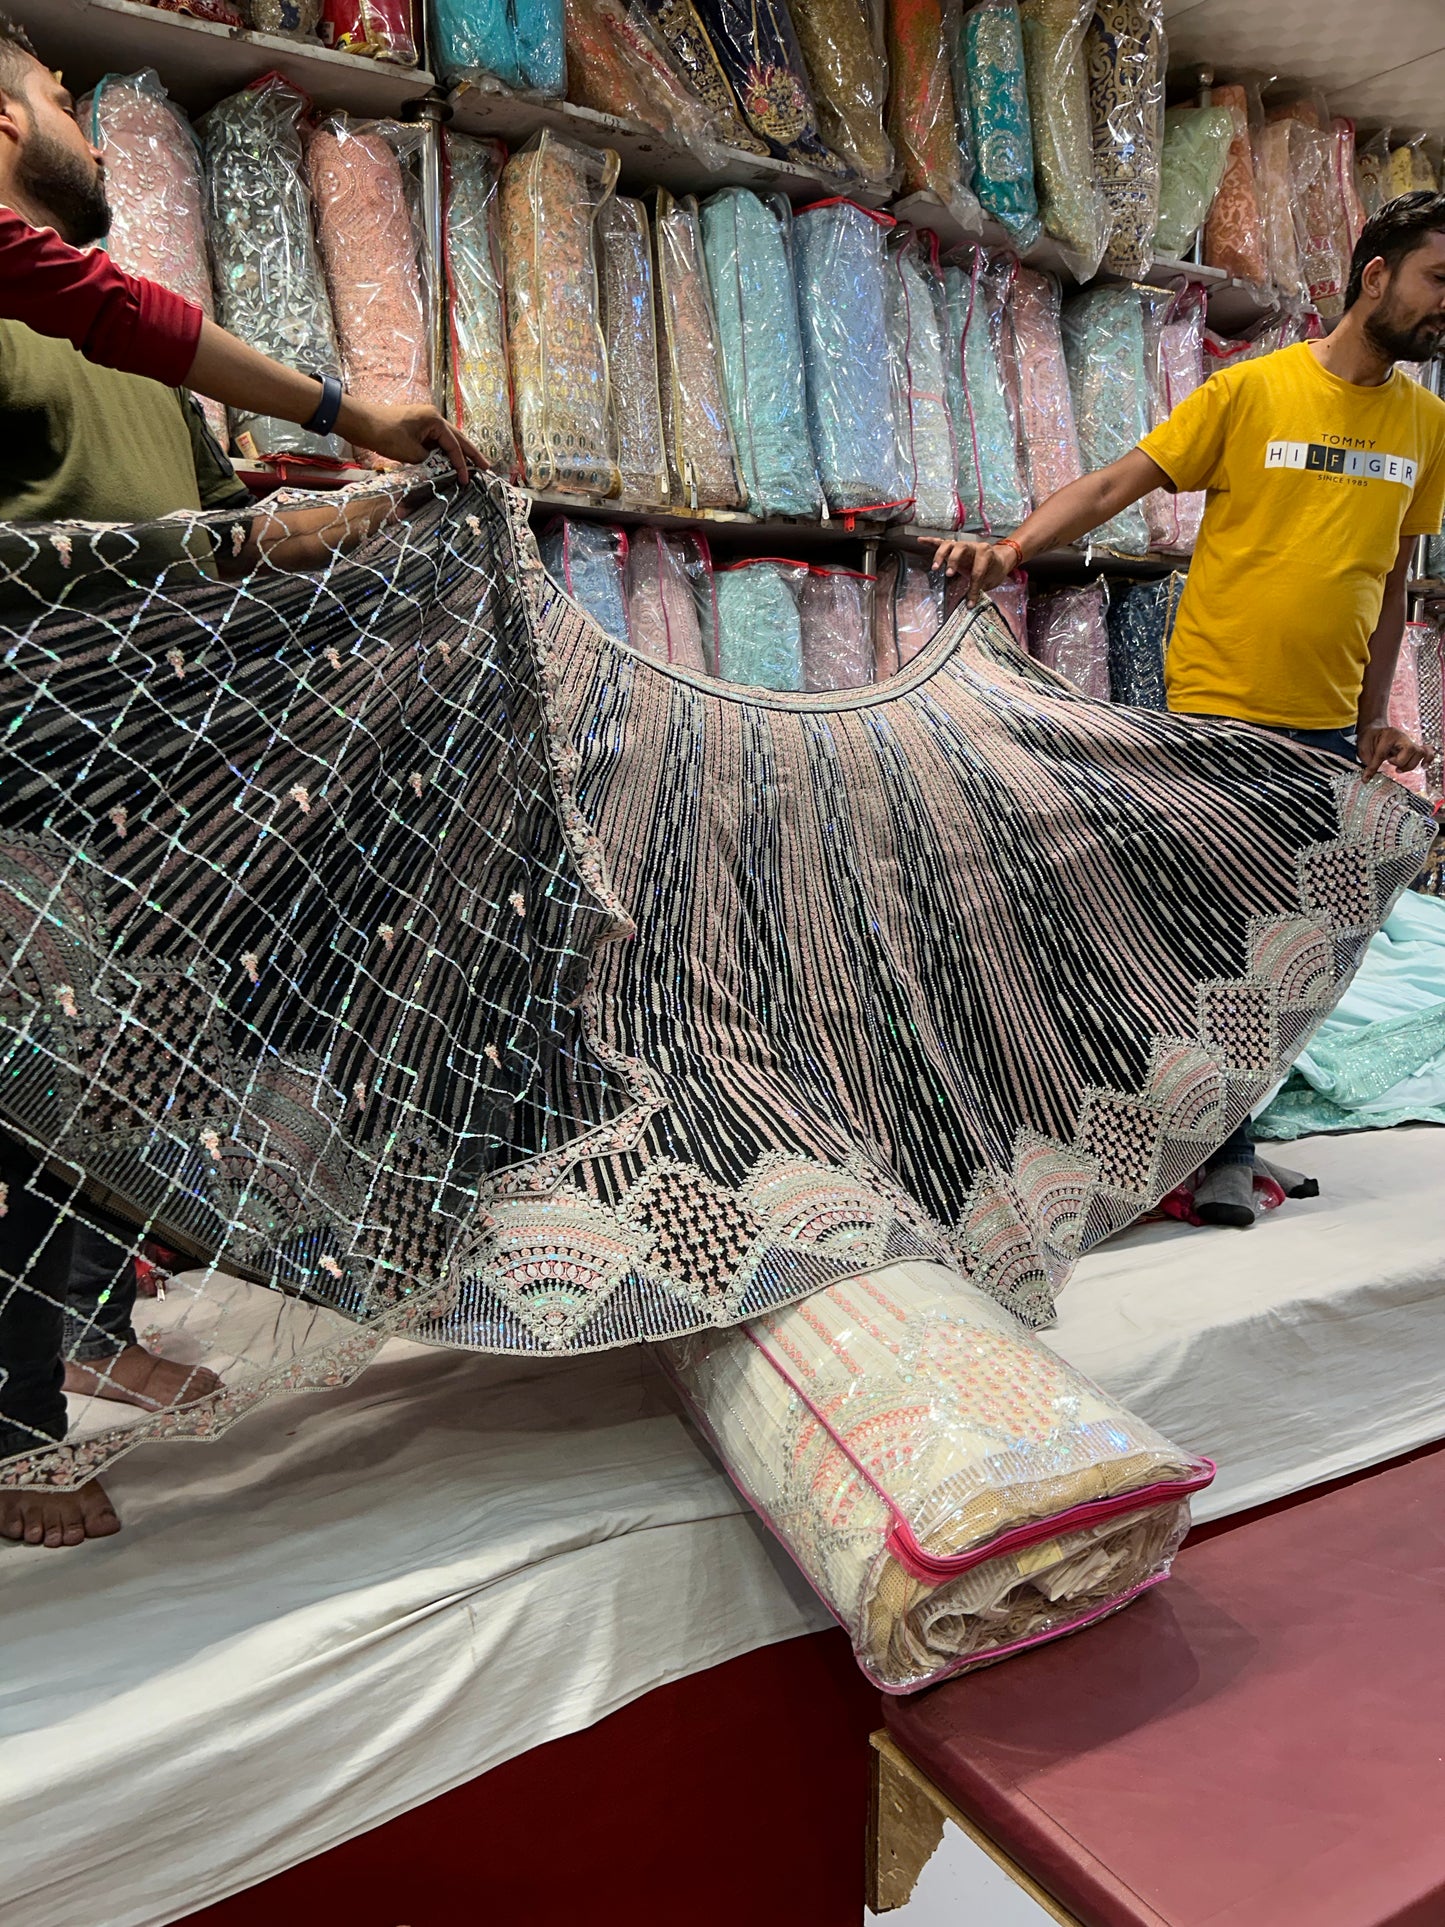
(113, 318)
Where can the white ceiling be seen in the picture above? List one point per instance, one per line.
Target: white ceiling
(1378, 60)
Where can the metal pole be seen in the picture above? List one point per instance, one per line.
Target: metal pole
(433, 110)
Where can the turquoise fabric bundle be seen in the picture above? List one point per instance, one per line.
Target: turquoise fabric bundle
(839, 256)
(587, 559)
(521, 44)
(916, 342)
(1109, 381)
(990, 482)
(759, 629)
(755, 299)
(993, 58)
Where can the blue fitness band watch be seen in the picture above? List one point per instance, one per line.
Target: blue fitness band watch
(329, 406)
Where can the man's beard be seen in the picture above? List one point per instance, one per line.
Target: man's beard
(58, 184)
(1396, 343)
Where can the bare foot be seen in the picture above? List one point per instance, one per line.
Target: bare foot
(57, 1518)
(138, 1377)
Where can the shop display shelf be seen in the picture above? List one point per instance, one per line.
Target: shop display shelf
(201, 62)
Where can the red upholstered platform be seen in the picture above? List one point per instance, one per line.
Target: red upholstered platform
(1260, 1743)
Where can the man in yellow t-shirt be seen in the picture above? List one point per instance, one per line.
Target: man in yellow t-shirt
(1322, 464)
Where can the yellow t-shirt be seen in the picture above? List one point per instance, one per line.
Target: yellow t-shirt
(1312, 484)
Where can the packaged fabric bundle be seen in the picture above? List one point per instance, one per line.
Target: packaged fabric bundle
(1109, 381)
(693, 55)
(914, 316)
(1038, 378)
(381, 29)
(1234, 231)
(618, 63)
(1177, 367)
(1275, 169)
(589, 560)
(755, 43)
(299, 19)
(1011, 599)
(1197, 141)
(270, 288)
(836, 641)
(992, 493)
(1069, 633)
(1141, 620)
(520, 43)
(907, 612)
(371, 251)
(1125, 50)
(156, 193)
(950, 1486)
(479, 381)
(1003, 177)
(843, 52)
(672, 608)
(702, 462)
(1404, 704)
(1372, 171)
(1411, 168)
(747, 245)
(1324, 256)
(759, 626)
(1071, 203)
(552, 190)
(922, 114)
(840, 258)
(1347, 180)
(222, 13)
(629, 325)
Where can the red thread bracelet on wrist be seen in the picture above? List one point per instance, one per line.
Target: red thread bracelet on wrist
(1009, 543)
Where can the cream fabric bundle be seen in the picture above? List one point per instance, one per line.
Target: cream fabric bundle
(951, 1487)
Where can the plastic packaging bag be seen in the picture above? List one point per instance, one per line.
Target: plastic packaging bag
(1178, 369)
(1372, 172)
(950, 1486)
(1069, 633)
(747, 247)
(1347, 182)
(1071, 203)
(1109, 381)
(589, 560)
(371, 251)
(694, 57)
(1141, 619)
(629, 322)
(758, 50)
(1011, 599)
(702, 461)
(1197, 141)
(1275, 169)
(518, 42)
(382, 29)
(222, 13)
(1324, 257)
(836, 641)
(907, 613)
(1234, 233)
(298, 19)
(1125, 48)
(992, 492)
(843, 52)
(759, 627)
(480, 388)
(156, 193)
(672, 607)
(270, 289)
(618, 63)
(1038, 377)
(922, 114)
(1003, 177)
(551, 192)
(913, 307)
(839, 256)
(1411, 168)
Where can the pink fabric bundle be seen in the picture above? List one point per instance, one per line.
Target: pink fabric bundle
(1405, 696)
(1011, 599)
(669, 598)
(1040, 380)
(1174, 519)
(907, 613)
(369, 247)
(1069, 633)
(837, 649)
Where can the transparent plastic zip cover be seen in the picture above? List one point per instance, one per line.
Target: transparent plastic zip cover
(1069, 633)
(949, 1485)
(381, 29)
(907, 613)
(1324, 255)
(618, 63)
(1003, 176)
(270, 288)
(1125, 50)
(1141, 616)
(1011, 599)
(589, 560)
(1197, 141)
(991, 487)
(299, 19)
(1178, 369)
(1109, 380)
(1038, 378)
(517, 42)
(922, 112)
(701, 459)
(671, 607)
(914, 303)
(842, 46)
(629, 320)
(1411, 168)
(156, 192)
(1234, 232)
(839, 255)
(759, 624)
(1274, 177)
(696, 60)
(480, 383)
(1372, 172)
(551, 192)
(747, 245)
(1071, 203)
(1347, 179)
(833, 612)
(758, 50)
(371, 250)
